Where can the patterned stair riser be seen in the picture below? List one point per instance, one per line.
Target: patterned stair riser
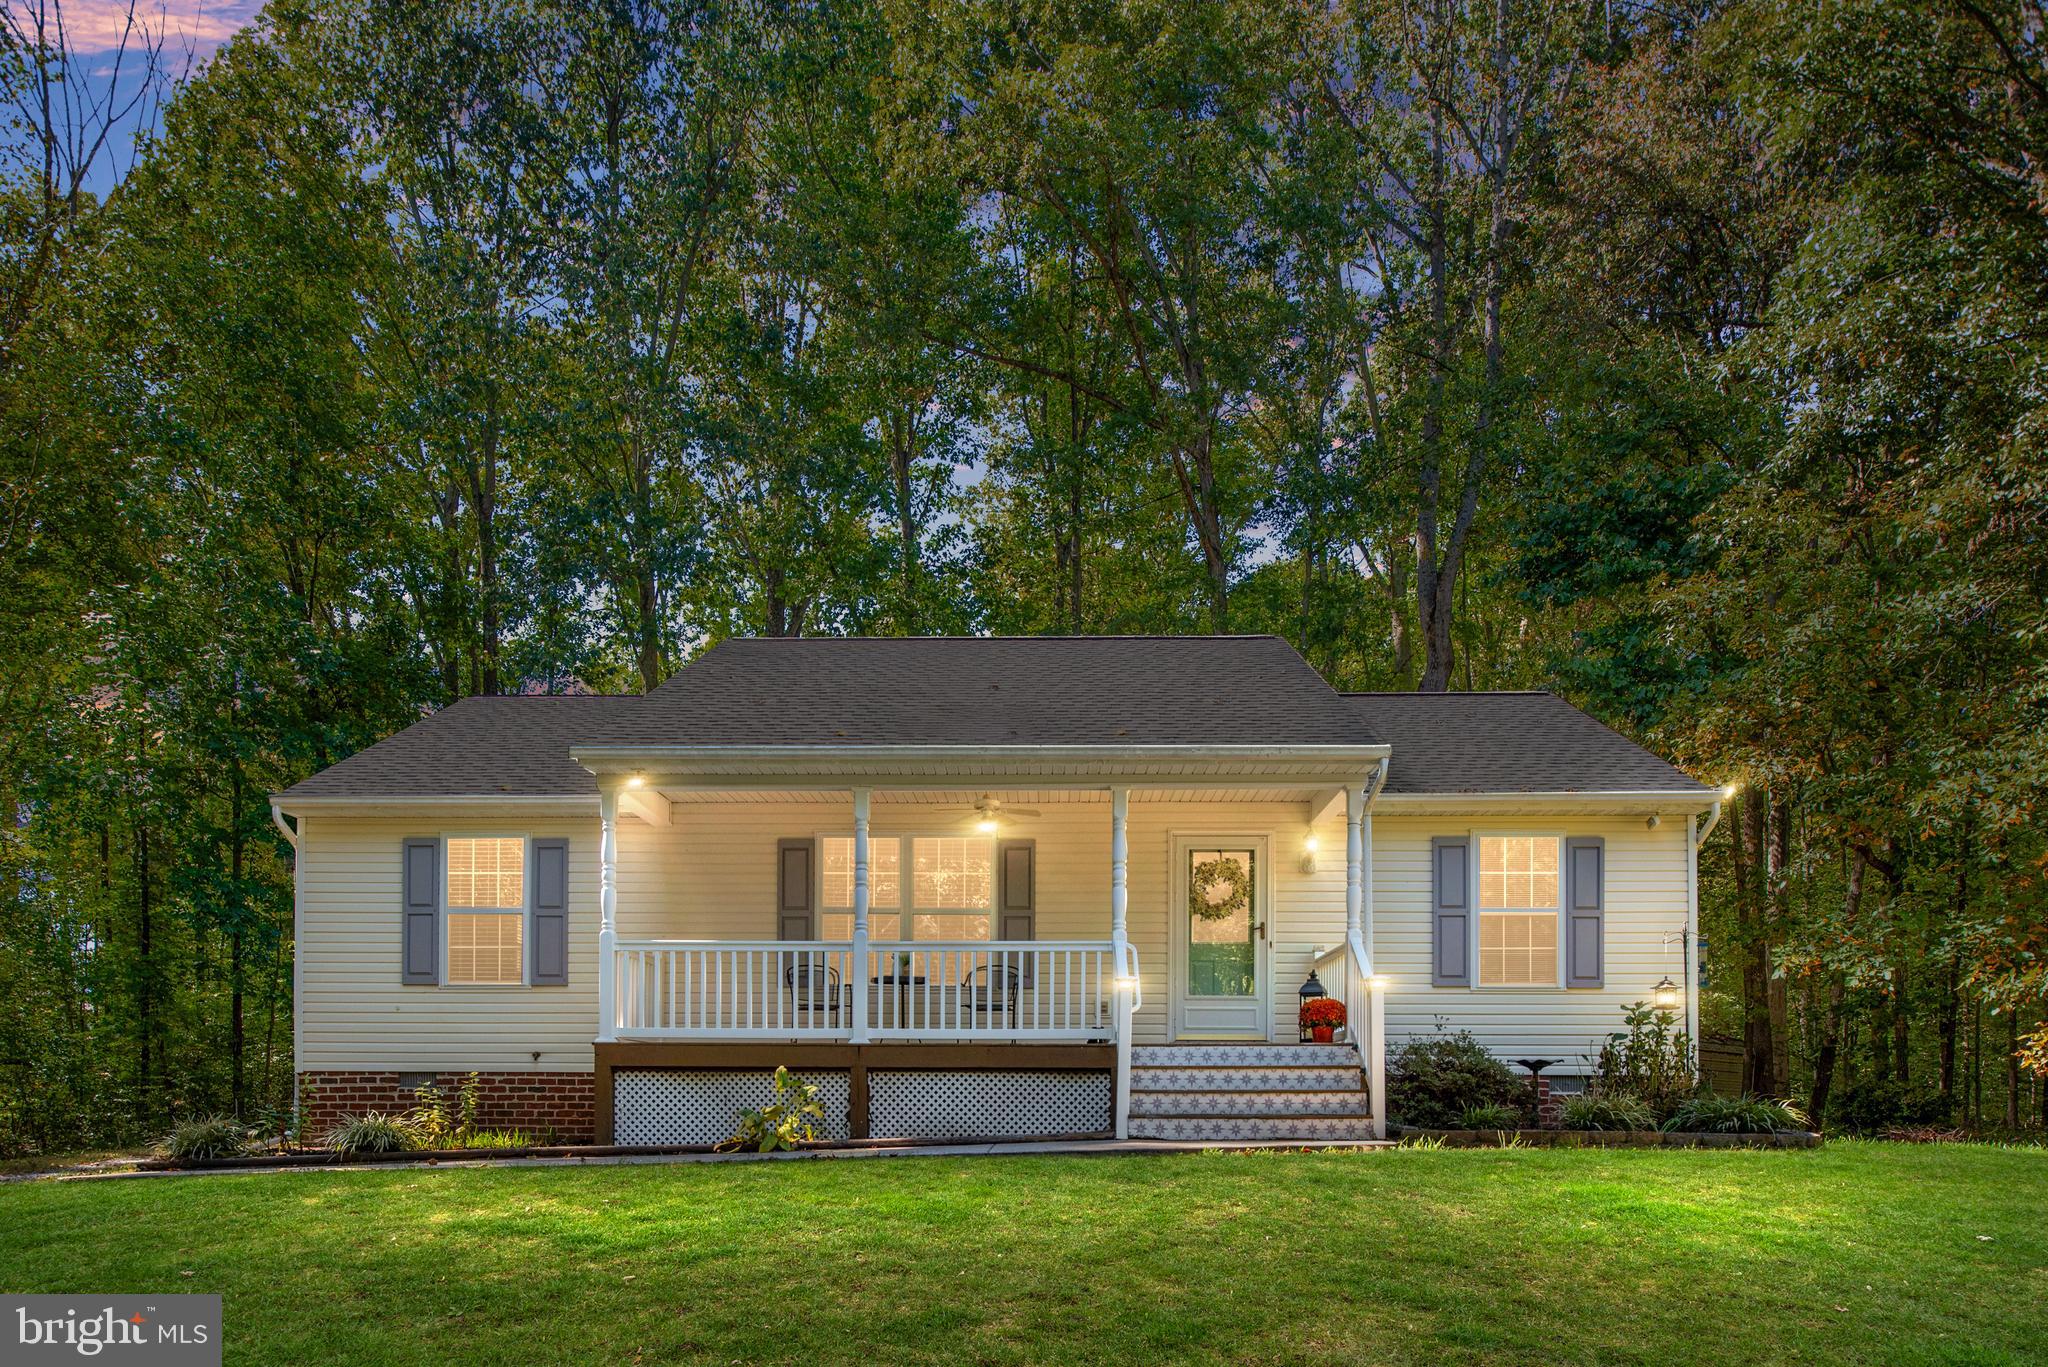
(1244, 1079)
(1244, 1056)
(1249, 1127)
(1267, 1105)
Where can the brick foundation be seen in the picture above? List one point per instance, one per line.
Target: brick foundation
(552, 1107)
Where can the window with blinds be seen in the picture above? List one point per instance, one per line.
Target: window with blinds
(486, 909)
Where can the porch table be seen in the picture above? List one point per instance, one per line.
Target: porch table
(903, 982)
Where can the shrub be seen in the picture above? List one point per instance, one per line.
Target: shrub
(1490, 1118)
(1430, 1082)
(1653, 1062)
(371, 1132)
(791, 1119)
(1872, 1107)
(436, 1126)
(1735, 1115)
(1606, 1111)
(214, 1136)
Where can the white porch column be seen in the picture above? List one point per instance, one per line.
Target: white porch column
(607, 910)
(1354, 861)
(1123, 998)
(860, 968)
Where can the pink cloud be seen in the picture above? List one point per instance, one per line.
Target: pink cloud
(94, 26)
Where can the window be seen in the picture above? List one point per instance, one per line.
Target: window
(885, 888)
(1518, 910)
(952, 887)
(953, 881)
(486, 904)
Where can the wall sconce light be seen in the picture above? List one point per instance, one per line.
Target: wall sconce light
(1665, 995)
(1308, 855)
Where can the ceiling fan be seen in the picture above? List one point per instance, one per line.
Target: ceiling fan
(989, 810)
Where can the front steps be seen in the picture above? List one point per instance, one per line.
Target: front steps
(1248, 1092)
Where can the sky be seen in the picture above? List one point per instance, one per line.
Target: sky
(192, 31)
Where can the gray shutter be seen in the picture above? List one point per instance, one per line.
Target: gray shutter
(1017, 895)
(1451, 911)
(1585, 909)
(420, 930)
(550, 913)
(796, 907)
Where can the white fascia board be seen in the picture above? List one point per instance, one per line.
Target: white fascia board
(570, 804)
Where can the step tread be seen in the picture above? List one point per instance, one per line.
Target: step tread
(1249, 1105)
(1243, 1055)
(1245, 1079)
(1246, 1127)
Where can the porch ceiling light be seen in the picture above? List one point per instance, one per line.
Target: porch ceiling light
(987, 825)
(636, 780)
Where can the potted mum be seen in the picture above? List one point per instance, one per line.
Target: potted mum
(1322, 1017)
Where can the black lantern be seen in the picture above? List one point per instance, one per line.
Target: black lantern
(1665, 994)
(1310, 990)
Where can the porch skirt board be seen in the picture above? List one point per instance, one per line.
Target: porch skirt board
(654, 1106)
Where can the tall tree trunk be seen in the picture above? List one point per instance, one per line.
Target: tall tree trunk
(1777, 917)
(1831, 1029)
(1759, 1055)
(145, 995)
(1433, 597)
(2012, 1069)
(484, 494)
(1901, 1027)
(902, 451)
(238, 911)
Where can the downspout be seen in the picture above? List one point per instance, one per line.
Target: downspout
(1373, 995)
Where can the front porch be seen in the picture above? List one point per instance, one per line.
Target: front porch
(945, 965)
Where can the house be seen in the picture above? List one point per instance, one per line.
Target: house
(975, 887)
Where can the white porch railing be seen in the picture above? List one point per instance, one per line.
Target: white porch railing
(788, 989)
(1346, 972)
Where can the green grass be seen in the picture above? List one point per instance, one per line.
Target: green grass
(1854, 1253)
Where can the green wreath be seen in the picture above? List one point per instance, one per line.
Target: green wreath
(1223, 873)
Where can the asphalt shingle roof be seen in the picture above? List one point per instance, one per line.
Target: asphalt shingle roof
(968, 691)
(971, 690)
(1508, 743)
(502, 746)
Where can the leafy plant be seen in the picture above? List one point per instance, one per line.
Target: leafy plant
(372, 1132)
(1495, 1117)
(213, 1136)
(1431, 1081)
(1653, 1062)
(1735, 1115)
(791, 1119)
(437, 1125)
(497, 1139)
(1606, 1111)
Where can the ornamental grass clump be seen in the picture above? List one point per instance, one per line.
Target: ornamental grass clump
(213, 1136)
(1735, 1115)
(1490, 1118)
(1606, 1111)
(371, 1132)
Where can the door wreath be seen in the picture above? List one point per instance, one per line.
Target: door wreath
(1220, 875)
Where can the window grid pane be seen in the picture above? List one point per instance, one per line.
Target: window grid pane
(487, 872)
(953, 873)
(1518, 949)
(486, 947)
(882, 925)
(1517, 872)
(885, 873)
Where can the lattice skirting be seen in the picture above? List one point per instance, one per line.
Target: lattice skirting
(676, 1106)
(934, 1104)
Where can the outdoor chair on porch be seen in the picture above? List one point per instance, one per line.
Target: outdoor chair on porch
(818, 995)
(992, 992)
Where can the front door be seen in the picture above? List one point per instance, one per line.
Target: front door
(1219, 913)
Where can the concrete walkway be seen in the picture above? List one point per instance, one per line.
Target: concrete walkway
(1073, 1147)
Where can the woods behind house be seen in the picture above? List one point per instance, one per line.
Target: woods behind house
(1688, 361)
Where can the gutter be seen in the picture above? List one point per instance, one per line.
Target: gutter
(277, 819)
(1726, 794)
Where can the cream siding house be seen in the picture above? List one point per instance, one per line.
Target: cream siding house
(976, 888)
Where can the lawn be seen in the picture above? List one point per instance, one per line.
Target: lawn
(1853, 1253)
